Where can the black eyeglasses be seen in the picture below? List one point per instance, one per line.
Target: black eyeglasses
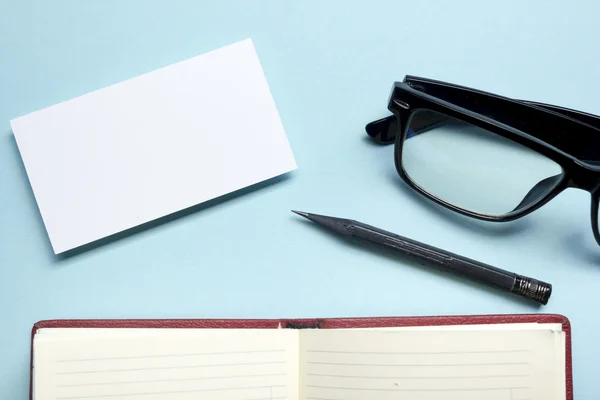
(488, 156)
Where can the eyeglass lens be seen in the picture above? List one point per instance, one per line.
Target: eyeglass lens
(473, 168)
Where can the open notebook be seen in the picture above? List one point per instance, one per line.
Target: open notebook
(354, 359)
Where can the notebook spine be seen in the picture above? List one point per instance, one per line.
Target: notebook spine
(302, 325)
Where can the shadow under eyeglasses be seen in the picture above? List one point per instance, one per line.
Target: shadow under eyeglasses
(577, 245)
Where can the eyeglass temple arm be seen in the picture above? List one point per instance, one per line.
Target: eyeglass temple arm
(578, 115)
(384, 130)
(459, 95)
(456, 94)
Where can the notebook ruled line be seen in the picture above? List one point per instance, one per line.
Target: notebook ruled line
(168, 367)
(397, 389)
(253, 398)
(171, 355)
(320, 398)
(420, 352)
(422, 377)
(166, 392)
(173, 380)
(418, 365)
(266, 398)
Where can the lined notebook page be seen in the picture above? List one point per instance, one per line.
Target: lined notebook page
(427, 365)
(157, 364)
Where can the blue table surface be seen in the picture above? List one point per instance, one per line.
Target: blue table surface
(330, 66)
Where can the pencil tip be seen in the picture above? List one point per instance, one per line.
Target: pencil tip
(339, 225)
(301, 213)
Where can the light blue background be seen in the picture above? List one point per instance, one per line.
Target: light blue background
(330, 66)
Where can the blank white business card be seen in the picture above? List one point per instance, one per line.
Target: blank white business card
(153, 145)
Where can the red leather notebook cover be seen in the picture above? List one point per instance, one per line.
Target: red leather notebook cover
(321, 323)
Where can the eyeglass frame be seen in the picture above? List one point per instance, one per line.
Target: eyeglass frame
(510, 118)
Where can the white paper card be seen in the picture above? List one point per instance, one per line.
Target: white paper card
(144, 148)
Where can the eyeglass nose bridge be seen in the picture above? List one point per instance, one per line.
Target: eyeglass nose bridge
(584, 177)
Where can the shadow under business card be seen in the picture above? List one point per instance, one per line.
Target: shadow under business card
(227, 198)
(174, 216)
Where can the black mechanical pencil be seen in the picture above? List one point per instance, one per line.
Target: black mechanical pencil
(473, 270)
